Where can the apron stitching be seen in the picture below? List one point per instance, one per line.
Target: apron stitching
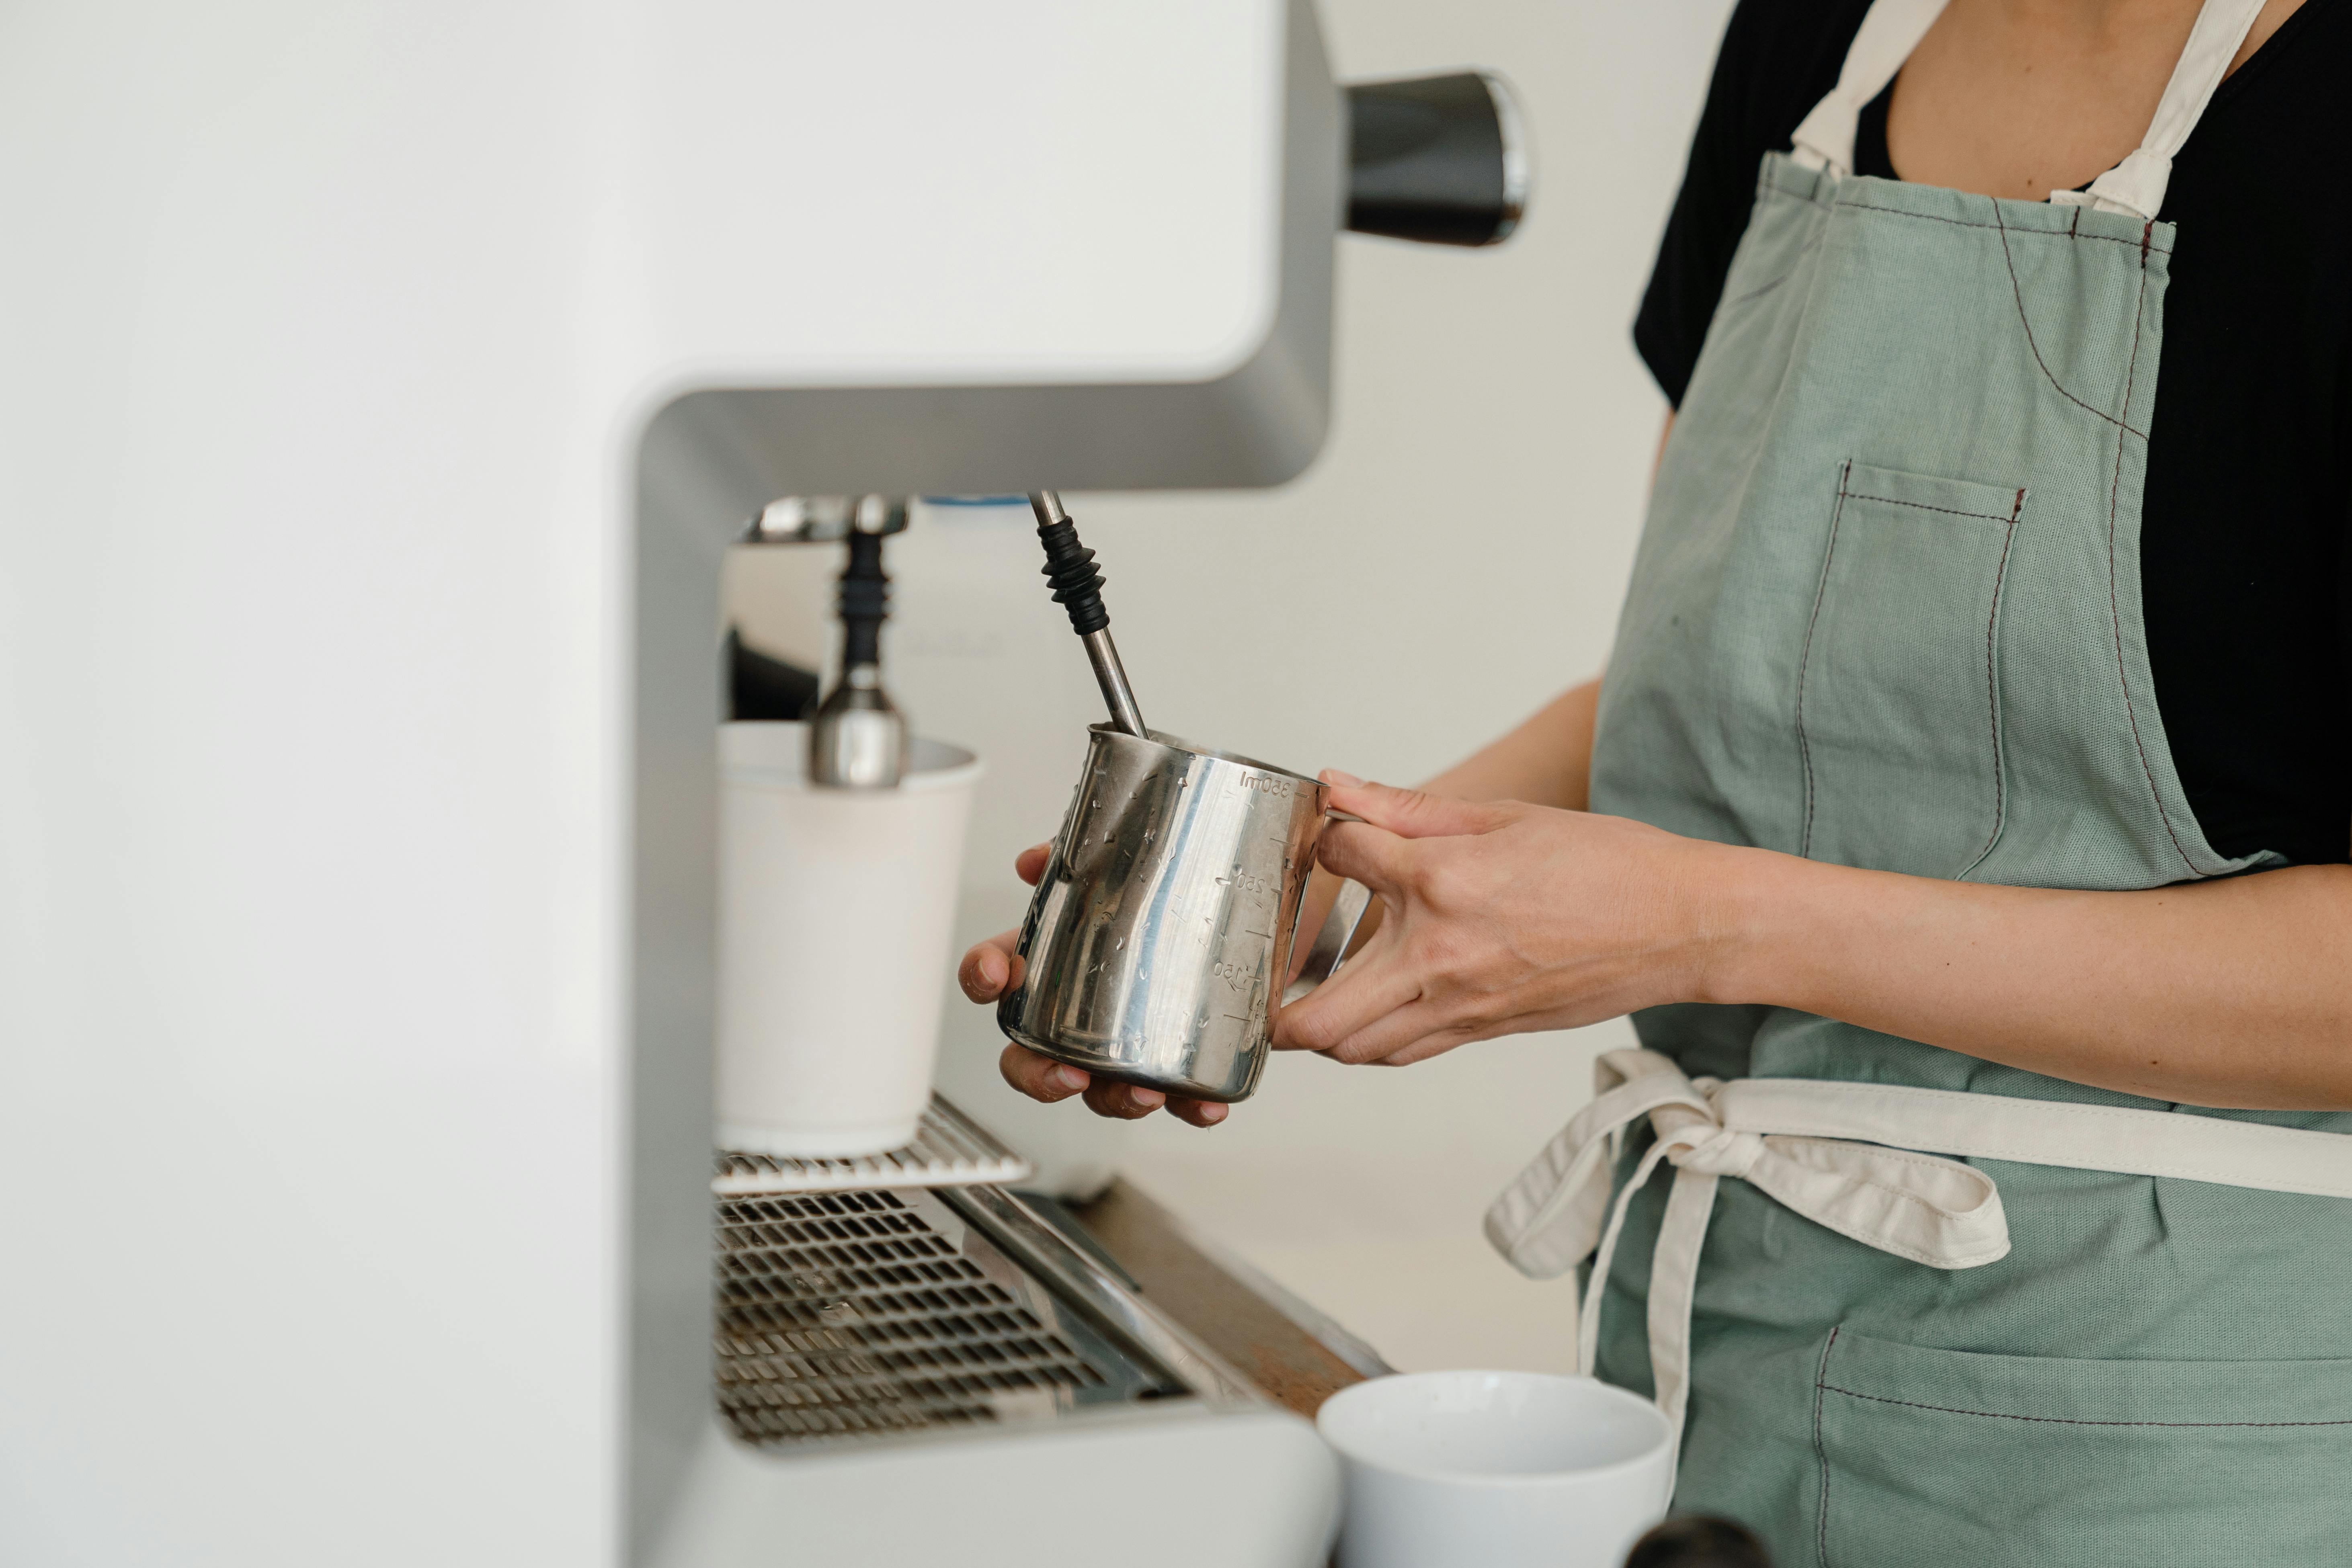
(1820, 590)
(1821, 1452)
(1893, 1155)
(1805, 659)
(2142, 244)
(2114, 602)
(1948, 511)
(2018, 289)
(1819, 1387)
(1992, 691)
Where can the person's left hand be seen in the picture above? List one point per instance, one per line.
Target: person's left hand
(993, 967)
(1507, 917)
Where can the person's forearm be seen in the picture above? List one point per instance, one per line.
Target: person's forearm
(1548, 761)
(2235, 993)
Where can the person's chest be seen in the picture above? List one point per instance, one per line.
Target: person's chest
(2017, 101)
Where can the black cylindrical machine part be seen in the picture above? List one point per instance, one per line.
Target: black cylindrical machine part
(864, 600)
(1439, 159)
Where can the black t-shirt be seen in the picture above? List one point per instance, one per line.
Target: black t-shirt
(2245, 574)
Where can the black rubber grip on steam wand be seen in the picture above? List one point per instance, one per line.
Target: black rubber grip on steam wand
(1077, 582)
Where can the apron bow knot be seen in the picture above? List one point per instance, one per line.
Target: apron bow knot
(1846, 1155)
(1704, 1145)
(1933, 1211)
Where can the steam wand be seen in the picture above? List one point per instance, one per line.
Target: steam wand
(1077, 588)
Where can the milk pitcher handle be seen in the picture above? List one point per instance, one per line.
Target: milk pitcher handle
(1338, 930)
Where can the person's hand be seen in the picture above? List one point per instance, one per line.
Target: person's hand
(1505, 918)
(993, 967)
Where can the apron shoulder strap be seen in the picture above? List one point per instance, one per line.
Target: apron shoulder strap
(1890, 31)
(1892, 28)
(2136, 186)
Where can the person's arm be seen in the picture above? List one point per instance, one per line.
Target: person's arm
(2235, 993)
(1546, 761)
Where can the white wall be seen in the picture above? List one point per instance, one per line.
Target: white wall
(1455, 557)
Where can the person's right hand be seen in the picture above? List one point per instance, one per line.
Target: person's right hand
(993, 967)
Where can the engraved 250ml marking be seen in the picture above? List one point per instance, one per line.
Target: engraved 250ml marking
(1250, 883)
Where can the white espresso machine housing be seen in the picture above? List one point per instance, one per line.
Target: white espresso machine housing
(379, 387)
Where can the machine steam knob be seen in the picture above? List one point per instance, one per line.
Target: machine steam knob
(1439, 159)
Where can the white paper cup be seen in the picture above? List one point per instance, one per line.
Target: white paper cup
(1504, 1470)
(836, 914)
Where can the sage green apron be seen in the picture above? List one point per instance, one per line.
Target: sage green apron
(1885, 613)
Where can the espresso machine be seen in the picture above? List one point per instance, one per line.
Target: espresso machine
(386, 389)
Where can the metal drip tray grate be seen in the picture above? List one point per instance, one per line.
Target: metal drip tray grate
(863, 1314)
(950, 1150)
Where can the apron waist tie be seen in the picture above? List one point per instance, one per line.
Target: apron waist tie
(1843, 1155)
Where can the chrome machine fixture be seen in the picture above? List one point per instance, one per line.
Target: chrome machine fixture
(858, 737)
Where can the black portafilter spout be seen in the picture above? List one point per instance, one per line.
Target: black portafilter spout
(859, 738)
(1077, 588)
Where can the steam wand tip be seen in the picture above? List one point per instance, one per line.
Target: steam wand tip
(1077, 588)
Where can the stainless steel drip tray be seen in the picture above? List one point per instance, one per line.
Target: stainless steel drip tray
(950, 1150)
(857, 1316)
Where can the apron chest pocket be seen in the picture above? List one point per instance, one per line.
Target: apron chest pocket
(1898, 686)
(1930, 1458)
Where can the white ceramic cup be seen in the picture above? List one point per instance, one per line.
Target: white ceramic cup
(1504, 1470)
(837, 917)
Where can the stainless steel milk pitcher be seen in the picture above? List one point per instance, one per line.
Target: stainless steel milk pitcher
(1161, 930)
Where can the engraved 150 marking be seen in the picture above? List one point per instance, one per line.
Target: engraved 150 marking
(1240, 977)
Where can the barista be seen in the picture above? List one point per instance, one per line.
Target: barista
(1971, 776)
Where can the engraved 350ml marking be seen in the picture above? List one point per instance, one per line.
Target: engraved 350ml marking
(1268, 784)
